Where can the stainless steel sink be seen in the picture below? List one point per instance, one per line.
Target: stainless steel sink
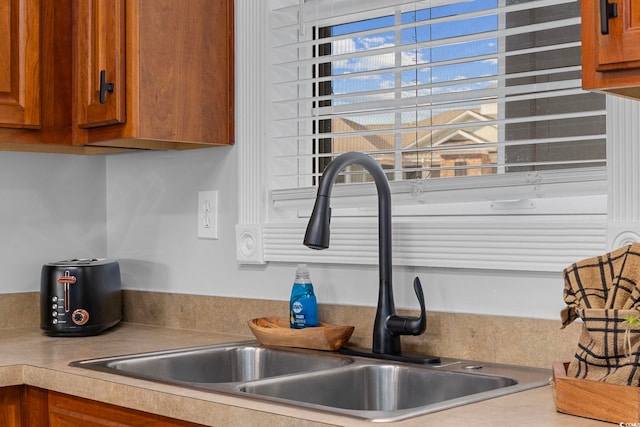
(215, 364)
(347, 385)
(385, 392)
(378, 387)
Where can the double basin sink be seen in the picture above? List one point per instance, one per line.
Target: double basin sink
(359, 387)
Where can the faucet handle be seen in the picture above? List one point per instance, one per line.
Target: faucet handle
(409, 325)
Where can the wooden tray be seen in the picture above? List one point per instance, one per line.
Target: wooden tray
(275, 331)
(594, 399)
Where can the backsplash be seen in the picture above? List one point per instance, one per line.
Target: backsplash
(20, 310)
(521, 341)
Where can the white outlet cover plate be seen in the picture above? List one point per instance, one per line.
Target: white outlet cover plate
(208, 214)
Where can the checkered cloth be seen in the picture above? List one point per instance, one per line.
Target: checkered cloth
(603, 291)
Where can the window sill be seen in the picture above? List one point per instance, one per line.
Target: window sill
(498, 243)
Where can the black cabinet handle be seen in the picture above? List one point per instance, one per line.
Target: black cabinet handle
(104, 87)
(607, 11)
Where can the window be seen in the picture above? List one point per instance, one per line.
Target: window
(501, 168)
(481, 94)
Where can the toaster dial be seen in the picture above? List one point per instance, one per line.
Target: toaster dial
(80, 317)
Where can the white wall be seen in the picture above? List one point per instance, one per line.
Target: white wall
(52, 207)
(152, 208)
(140, 208)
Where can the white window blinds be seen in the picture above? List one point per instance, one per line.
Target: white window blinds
(476, 98)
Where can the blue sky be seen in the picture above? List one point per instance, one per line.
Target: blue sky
(423, 32)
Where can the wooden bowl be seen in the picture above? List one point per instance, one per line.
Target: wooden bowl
(275, 331)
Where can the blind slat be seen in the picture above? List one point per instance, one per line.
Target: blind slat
(498, 144)
(305, 62)
(466, 125)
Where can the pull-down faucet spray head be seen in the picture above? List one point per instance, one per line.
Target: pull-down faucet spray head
(317, 235)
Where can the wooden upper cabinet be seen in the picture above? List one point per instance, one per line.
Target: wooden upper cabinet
(99, 31)
(20, 78)
(619, 37)
(96, 76)
(611, 46)
(36, 87)
(35, 76)
(179, 73)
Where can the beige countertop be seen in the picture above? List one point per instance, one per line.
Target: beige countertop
(29, 357)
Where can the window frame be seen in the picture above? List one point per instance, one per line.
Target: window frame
(428, 234)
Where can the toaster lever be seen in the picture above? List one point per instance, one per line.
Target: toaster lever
(65, 281)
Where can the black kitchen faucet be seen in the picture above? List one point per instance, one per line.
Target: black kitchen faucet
(388, 326)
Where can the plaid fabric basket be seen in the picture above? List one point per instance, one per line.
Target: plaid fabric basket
(603, 291)
(608, 348)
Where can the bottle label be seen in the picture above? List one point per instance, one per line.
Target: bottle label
(303, 313)
(303, 307)
(298, 318)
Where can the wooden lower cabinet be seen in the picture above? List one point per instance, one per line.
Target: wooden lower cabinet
(25, 406)
(68, 411)
(11, 406)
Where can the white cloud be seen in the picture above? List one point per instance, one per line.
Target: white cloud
(374, 42)
(374, 62)
(340, 47)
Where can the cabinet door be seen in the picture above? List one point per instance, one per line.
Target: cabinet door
(69, 411)
(620, 47)
(23, 406)
(11, 406)
(99, 34)
(35, 407)
(20, 63)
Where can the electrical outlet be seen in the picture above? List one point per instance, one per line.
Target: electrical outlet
(207, 214)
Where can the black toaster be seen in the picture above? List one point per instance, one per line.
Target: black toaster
(80, 297)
